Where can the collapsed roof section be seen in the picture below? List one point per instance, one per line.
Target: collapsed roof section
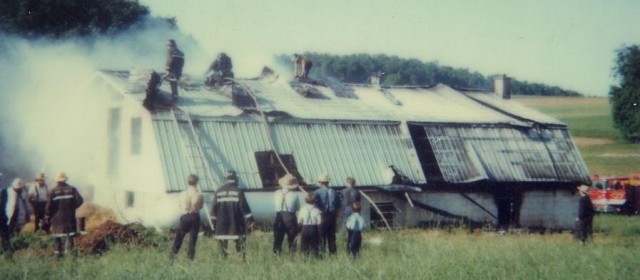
(431, 133)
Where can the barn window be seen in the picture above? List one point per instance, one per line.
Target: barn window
(113, 144)
(136, 136)
(270, 168)
(129, 199)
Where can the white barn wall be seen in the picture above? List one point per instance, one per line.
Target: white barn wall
(456, 204)
(549, 209)
(140, 174)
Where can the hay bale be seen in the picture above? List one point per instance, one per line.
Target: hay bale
(97, 240)
(86, 209)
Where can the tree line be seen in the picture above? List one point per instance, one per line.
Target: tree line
(357, 68)
(62, 19)
(625, 97)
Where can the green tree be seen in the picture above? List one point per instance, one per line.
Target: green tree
(357, 68)
(625, 97)
(69, 18)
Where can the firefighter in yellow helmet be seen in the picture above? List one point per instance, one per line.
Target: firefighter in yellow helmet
(60, 214)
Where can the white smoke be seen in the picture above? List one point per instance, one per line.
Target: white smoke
(49, 114)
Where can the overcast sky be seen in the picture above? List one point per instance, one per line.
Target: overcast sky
(568, 43)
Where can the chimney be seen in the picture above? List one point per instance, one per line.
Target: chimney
(502, 86)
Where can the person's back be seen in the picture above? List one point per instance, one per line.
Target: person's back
(175, 61)
(191, 202)
(328, 201)
(349, 196)
(355, 225)
(230, 214)
(61, 209)
(60, 214)
(309, 219)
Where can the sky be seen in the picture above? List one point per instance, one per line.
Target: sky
(567, 43)
(570, 44)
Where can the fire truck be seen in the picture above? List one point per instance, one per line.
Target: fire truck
(616, 194)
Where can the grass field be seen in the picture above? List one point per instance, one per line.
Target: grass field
(407, 254)
(590, 123)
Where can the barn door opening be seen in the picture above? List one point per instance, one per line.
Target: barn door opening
(271, 169)
(508, 201)
(388, 211)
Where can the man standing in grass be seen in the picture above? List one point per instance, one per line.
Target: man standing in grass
(191, 202)
(584, 221)
(60, 213)
(38, 196)
(286, 206)
(14, 213)
(349, 196)
(328, 201)
(231, 215)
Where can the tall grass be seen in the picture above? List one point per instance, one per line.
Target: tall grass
(404, 254)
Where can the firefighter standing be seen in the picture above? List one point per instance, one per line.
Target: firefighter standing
(301, 66)
(60, 214)
(231, 215)
(38, 197)
(175, 63)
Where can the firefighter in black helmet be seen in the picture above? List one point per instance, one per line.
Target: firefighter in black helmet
(175, 63)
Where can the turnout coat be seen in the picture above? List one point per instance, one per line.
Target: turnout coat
(61, 209)
(230, 212)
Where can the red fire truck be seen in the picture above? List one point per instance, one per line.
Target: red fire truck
(617, 194)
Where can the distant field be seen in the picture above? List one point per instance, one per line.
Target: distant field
(590, 123)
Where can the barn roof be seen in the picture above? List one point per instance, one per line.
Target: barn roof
(359, 130)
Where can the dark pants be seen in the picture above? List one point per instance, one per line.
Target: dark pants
(223, 245)
(38, 209)
(354, 240)
(189, 223)
(310, 240)
(285, 223)
(5, 238)
(62, 245)
(173, 82)
(328, 231)
(584, 229)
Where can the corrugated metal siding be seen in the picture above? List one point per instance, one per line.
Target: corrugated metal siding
(176, 152)
(505, 154)
(363, 151)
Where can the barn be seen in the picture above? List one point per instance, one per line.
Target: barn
(422, 154)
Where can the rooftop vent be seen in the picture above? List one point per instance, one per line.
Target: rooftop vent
(502, 86)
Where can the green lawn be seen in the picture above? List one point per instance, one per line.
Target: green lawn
(407, 254)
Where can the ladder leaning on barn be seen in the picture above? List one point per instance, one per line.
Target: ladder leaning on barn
(265, 122)
(195, 152)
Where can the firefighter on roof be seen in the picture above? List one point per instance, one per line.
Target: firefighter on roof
(175, 63)
(301, 66)
(220, 69)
